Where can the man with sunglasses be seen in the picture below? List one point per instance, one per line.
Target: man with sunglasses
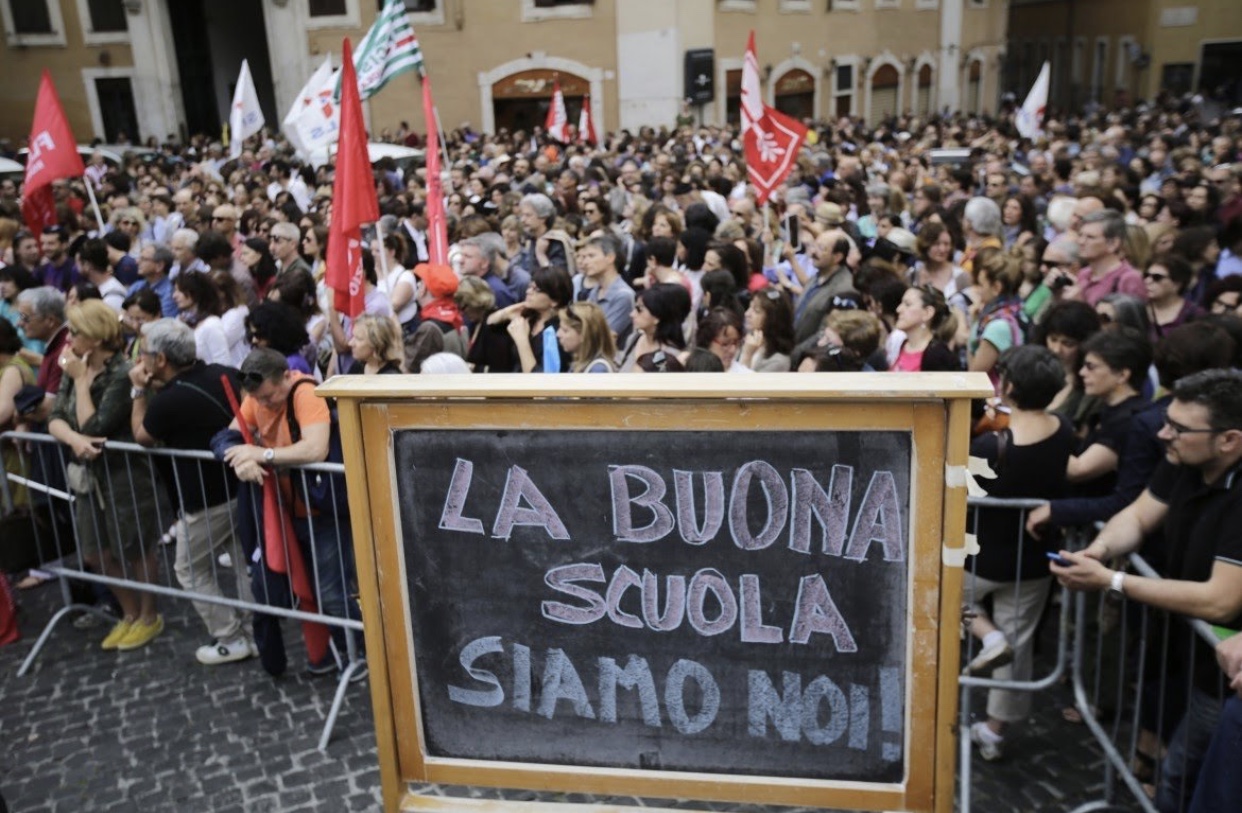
(1195, 498)
(270, 396)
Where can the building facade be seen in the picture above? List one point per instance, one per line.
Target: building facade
(167, 67)
(1116, 52)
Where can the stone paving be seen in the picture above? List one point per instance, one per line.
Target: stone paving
(152, 730)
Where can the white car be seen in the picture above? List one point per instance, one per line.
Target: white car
(406, 157)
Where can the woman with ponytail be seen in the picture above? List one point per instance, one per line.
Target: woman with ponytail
(929, 326)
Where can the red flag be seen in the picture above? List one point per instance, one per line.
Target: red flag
(586, 123)
(437, 220)
(353, 198)
(53, 155)
(557, 122)
(771, 139)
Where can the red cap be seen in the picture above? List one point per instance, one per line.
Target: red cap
(439, 279)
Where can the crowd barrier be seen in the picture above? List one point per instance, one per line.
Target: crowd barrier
(1132, 670)
(116, 528)
(1124, 660)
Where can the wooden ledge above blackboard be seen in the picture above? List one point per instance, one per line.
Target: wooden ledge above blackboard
(678, 386)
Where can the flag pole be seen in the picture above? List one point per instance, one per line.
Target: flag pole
(383, 254)
(90, 193)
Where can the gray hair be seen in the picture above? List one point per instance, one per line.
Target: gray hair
(983, 216)
(878, 190)
(541, 204)
(44, 301)
(163, 255)
(289, 231)
(443, 364)
(268, 364)
(1114, 224)
(188, 236)
(1066, 245)
(173, 338)
(489, 242)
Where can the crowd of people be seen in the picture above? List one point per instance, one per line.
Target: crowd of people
(1095, 275)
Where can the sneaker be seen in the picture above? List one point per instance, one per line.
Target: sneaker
(119, 631)
(87, 621)
(217, 652)
(989, 658)
(141, 634)
(327, 667)
(225, 560)
(360, 671)
(991, 745)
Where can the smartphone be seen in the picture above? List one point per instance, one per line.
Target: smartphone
(1060, 560)
(791, 232)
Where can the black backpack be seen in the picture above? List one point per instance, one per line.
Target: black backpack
(326, 491)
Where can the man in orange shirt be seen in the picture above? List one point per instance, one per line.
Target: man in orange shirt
(271, 391)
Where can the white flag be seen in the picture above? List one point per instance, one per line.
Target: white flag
(314, 121)
(557, 121)
(1030, 118)
(245, 117)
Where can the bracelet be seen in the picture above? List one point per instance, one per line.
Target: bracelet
(1118, 583)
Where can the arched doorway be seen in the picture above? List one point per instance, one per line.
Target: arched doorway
(733, 97)
(885, 85)
(795, 94)
(521, 100)
(925, 90)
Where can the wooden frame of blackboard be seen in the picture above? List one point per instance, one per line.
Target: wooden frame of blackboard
(933, 407)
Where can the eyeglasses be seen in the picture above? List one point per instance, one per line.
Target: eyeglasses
(1178, 429)
(1155, 277)
(1051, 264)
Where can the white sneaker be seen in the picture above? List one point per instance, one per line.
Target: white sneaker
(991, 745)
(217, 652)
(225, 560)
(990, 658)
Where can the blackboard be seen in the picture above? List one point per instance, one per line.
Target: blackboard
(789, 655)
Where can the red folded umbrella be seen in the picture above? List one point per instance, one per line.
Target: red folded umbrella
(279, 539)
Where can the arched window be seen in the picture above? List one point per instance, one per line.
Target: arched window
(885, 84)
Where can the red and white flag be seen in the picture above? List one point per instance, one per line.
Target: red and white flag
(586, 123)
(353, 198)
(437, 219)
(557, 122)
(53, 155)
(770, 138)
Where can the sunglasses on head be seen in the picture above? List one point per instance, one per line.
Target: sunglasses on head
(252, 380)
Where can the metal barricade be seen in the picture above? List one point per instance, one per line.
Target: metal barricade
(1138, 676)
(1024, 599)
(1143, 679)
(113, 525)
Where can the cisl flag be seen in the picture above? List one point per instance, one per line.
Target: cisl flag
(771, 139)
(1030, 117)
(53, 155)
(245, 116)
(353, 198)
(314, 121)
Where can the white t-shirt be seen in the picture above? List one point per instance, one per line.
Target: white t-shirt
(113, 293)
(389, 284)
(210, 344)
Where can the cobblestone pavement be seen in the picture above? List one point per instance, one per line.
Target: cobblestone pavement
(152, 730)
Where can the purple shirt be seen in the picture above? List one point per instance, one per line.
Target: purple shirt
(1123, 279)
(61, 277)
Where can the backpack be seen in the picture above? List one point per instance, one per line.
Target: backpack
(326, 491)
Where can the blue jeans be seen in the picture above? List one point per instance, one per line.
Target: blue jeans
(1187, 750)
(329, 544)
(1219, 789)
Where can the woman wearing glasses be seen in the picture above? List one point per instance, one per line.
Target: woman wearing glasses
(531, 326)
(658, 314)
(1167, 279)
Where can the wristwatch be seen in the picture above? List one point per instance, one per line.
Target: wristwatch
(269, 455)
(136, 392)
(1118, 583)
